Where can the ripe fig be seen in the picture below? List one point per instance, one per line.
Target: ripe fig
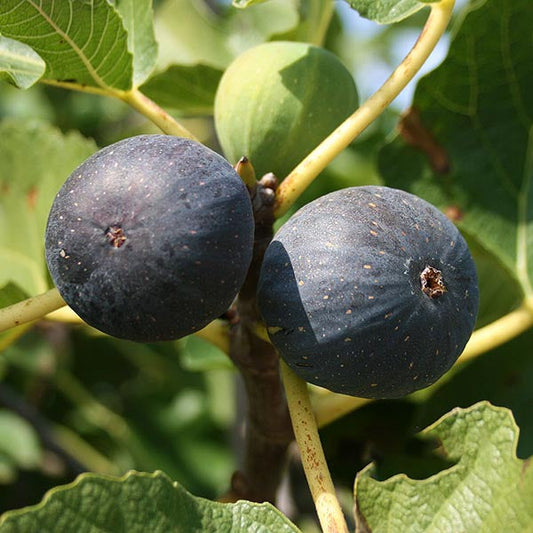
(277, 101)
(150, 238)
(369, 291)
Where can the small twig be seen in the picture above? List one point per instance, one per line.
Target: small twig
(30, 309)
(313, 460)
(500, 331)
(308, 169)
(268, 426)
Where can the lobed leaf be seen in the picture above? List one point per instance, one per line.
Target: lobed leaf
(82, 42)
(19, 64)
(488, 489)
(388, 11)
(467, 143)
(140, 502)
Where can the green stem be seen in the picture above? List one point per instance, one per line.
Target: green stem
(500, 331)
(156, 114)
(308, 169)
(30, 309)
(313, 460)
(138, 101)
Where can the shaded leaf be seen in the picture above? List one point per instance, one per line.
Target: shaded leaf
(137, 16)
(188, 89)
(478, 108)
(140, 502)
(19, 64)
(35, 160)
(387, 11)
(18, 440)
(10, 294)
(80, 42)
(488, 489)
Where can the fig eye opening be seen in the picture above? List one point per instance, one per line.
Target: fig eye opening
(432, 282)
(115, 236)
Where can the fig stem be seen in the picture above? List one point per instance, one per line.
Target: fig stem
(311, 166)
(137, 100)
(147, 107)
(500, 331)
(30, 309)
(313, 459)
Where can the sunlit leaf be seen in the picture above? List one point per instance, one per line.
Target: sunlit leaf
(467, 144)
(19, 64)
(388, 11)
(138, 503)
(82, 42)
(488, 489)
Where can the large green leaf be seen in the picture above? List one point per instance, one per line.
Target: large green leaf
(19, 64)
(83, 42)
(138, 503)
(488, 489)
(35, 159)
(473, 117)
(387, 11)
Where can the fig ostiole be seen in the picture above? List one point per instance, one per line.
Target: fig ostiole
(369, 291)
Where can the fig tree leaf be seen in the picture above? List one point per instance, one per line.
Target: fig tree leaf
(138, 19)
(140, 502)
(189, 33)
(387, 11)
(18, 440)
(11, 293)
(488, 489)
(467, 143)
(187, 89)
(35, 160)
(19, 64)
(82, 42)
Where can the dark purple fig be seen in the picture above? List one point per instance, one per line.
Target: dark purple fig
(369, 291)
(150, 238)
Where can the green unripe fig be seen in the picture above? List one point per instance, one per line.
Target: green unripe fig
(277, 101)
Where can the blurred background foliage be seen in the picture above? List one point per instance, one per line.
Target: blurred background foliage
(73, 400)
